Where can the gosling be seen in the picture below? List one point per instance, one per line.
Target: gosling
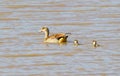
(95, 44)
(76, 43)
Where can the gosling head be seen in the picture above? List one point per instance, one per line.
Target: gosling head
(76, 42)
(94, 42)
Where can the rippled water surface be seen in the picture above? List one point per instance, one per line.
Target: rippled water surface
(23, 53)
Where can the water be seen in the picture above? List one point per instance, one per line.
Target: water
(23, 53)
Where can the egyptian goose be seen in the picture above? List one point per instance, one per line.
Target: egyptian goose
(55, 38)
(95, 44)
(76, 43)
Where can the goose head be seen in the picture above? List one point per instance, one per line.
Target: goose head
(43, 29)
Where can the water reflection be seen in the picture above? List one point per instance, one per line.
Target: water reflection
(22, 51)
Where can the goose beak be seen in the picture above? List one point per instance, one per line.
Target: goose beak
(40, 31)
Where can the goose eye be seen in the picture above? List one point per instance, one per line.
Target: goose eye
(43, 28)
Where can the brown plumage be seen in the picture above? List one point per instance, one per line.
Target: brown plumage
(53, 38)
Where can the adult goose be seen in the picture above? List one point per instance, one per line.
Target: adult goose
(55, 38)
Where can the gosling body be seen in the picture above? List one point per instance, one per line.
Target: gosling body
(95, 44)
(76, 43)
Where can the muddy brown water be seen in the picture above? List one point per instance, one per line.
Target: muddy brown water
(23, 53)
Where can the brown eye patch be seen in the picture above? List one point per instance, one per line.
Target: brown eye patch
(43, 28)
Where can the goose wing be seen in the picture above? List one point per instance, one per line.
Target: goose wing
(57, 36)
